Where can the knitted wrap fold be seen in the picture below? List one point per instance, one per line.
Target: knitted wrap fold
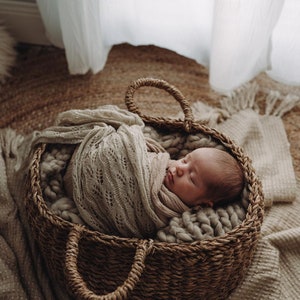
(111, 175)
(114, 181)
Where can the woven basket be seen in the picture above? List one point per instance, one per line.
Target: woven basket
(93, 265)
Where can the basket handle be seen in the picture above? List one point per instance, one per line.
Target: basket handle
(164, 85)
(76, 282)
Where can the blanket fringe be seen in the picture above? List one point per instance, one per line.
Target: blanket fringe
(245, 97)
(278, 106)
(241, 98)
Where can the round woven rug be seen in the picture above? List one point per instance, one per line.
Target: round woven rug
(40, 87)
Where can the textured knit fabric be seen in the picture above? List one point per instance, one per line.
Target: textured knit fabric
(115, 184)
(23, 274)
(275, 270)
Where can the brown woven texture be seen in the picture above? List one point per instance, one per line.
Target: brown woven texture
(97, 264)
(91, 263)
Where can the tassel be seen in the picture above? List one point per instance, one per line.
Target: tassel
(245, 97)
(276, 106)
(241, 99)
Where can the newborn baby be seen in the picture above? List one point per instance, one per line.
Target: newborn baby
(206, 176)
(117, 177)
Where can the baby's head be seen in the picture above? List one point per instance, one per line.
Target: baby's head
(205, 176)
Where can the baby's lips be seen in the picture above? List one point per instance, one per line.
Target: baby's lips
(170, 176)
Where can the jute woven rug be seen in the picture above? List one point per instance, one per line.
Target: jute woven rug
(41, 87)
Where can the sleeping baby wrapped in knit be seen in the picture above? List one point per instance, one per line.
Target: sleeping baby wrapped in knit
(116, 176)
(117, 184)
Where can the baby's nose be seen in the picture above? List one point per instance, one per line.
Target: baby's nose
(176, 170)
(180, 169)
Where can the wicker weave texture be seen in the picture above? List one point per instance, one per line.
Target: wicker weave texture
(92, 264)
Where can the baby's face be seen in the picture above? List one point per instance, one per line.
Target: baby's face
(187, 177)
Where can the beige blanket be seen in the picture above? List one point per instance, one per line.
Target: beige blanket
(22, 272)
(274, 273)
(275, 270)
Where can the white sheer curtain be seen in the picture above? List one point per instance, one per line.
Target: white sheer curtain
(76, 25)
(235, 39)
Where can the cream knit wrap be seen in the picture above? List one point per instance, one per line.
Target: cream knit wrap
(116, 183)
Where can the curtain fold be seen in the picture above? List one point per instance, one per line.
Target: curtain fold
(76, 26)
(241, 41)
(285, 56)
(178, 25)
(234, 39)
